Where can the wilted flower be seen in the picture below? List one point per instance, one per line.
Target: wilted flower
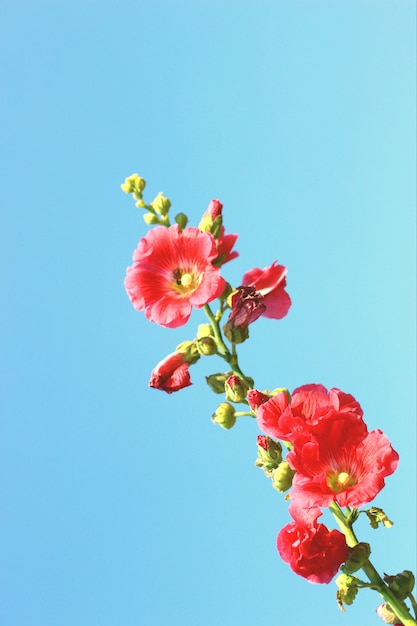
(270, 282)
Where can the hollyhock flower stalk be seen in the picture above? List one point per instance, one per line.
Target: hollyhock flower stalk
(315, 443)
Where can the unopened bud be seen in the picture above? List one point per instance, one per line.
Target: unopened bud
(161, 204)
(206, 346)
(181, 219)
(134, 184)
(236, 389)
(204, 330)
(151, 219)
(224, 415)
(385, 612)
(269, 453)
(189, 350)
(216, 381)
(357, 557)
(282, 477)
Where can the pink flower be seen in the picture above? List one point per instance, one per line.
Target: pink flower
(171, 374)
(270, 283)
(225, 244)
(309, 405)
(173, 272)
(341, 462)
(312, 550)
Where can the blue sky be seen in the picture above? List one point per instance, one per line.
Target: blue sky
(121, 505)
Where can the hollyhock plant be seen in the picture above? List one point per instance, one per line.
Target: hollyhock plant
(171, 374)
(315, 445)
(172, 272)
(270, 282)
(312, 551)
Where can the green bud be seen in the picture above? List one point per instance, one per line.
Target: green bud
(348, 588)
(181, 219)
(216, 381)
(357, 557)
(134, 184)
(235, 335)
(282, 477)
(224, 415)
(401, 584)
(151, 219)
(189, 350)
(207, 346)
(161, 204)
(204, 330)
(269, 454)
(236, 389)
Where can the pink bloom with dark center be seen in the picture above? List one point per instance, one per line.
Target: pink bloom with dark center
(172, 272)
(270, 282)
(171, 374)
(312, 550)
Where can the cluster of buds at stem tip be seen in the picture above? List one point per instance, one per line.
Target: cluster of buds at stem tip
(158, 209)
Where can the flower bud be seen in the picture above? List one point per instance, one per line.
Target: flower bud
(150, 219)
(189, 350)
(216, 381)
(255, 398)
(401, 584)
(161, 204)
(206, 346)
(282, 477)
(236, 389)
(269, 453)
(347, 590)
(385, 612)
(224, 415)
(358, 555)
(134, 184)
(212, 219)
(181, 219)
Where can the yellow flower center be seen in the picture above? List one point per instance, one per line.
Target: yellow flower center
(185, 282)
(339, 481)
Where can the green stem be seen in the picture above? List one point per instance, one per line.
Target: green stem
(378, 583)
(230, 357)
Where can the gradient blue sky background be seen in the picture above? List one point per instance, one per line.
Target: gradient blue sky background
(121, 505)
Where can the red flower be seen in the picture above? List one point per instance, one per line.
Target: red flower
(308, 406)
(312, 551)
(173, 272)
(270, 283)
(341, 462)
(171, 374)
